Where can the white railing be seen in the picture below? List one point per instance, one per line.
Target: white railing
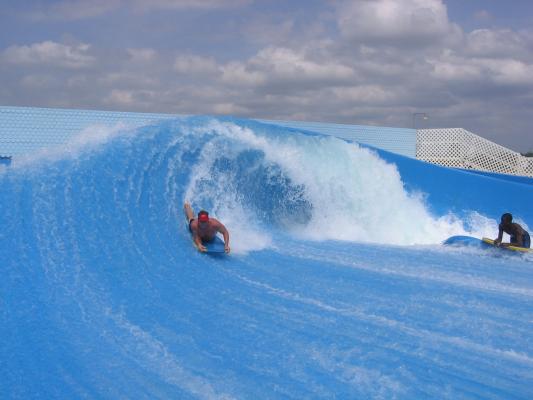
(462, 149)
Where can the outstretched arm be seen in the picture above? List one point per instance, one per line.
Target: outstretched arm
(198, 243)
(222, 229)
(498, 240)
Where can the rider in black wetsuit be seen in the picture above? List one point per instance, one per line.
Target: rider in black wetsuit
(519, 236)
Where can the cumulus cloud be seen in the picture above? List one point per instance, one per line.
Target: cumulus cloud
(195, 65)
(394, 21)
(449, 67)
(236, 73)
(360, 61)
(497, 43)
(229, 108)
(130, 98)
(366, 94)
(490, 57)
(142, 55)
(128, 79)
(123, 97)
(274, 66)
(50, 53)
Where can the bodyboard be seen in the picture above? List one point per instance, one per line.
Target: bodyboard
(470, 241)
(463, 241)
(490, 242)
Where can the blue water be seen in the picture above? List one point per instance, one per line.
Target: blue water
(337, 285)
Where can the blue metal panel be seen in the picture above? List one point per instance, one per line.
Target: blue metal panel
(27, 129)
(397, 140)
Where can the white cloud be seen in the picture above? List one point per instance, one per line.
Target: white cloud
(229, 108)
(195, 65)
(509, 71)
(130, 98)
(367, 62)
(393, 20)
(496, 43)
(278, 65)
(365, 94)
(50, 53)
(453, 67)
(120, 97)
(129, 79)
(237, 73)
(288, 64)
(450, 67)
(138, 55)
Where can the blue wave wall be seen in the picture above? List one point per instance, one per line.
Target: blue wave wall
(461, 191)
(336, 286)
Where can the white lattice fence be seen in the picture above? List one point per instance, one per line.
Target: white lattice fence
(462, 149)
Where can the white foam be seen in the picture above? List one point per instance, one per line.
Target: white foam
(355, 195)
(89, 139)
(245, 234)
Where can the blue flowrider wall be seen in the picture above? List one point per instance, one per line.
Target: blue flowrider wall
(459, 191)
(336, 286)
(25, 130)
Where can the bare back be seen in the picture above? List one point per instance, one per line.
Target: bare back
(209, 231)
(513, 229)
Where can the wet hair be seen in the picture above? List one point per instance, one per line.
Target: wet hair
(507, 218)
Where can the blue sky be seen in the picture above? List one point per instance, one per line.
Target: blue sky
(464, 63)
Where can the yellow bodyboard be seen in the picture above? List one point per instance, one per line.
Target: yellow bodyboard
(513, 248)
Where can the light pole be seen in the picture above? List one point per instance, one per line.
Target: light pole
(423, 115)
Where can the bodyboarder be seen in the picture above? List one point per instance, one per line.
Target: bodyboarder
(519, 236)
(204, 229)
